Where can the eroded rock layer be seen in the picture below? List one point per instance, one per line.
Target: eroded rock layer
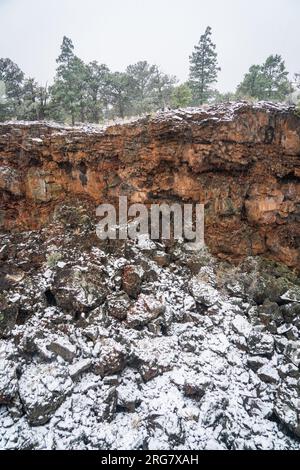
(242, 161)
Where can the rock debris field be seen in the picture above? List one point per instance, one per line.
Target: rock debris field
(143, 345)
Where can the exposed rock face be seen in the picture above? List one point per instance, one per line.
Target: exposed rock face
(142, 344)
(242, 161)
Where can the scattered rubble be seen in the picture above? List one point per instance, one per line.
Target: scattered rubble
(182, 362)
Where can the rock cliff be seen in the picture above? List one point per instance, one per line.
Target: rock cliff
(242, 161)
(142, 344)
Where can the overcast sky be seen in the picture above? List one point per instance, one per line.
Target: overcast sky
(120, 32)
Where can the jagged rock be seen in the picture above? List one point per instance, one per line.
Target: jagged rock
(241, 326)
(290, 311)
(268, 374)
(289, 370)
(292, 295)
(161, 258)
(8, 315)
(8, 381)
(131, 280)
(118, 305)
(62, 347)
(196, 386)
(287, 407)
(269, 313)
(256, 362)
(42, 390)
(111, 357)
(79, 367)
(203, 293)
(146, 309)
(78, 291)
(145, 244)
(10, 180)
(153, 356)
(191, 339)
(129, 396)
(292, 351)
(260, 344)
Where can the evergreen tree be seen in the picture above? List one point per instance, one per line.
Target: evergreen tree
(203, 68)
(268, 81)
(118, 93)
(162, 89)
(181, 96)
(253, 85)
(69, 89)
(12, 77)
(276, 76)
(141, 77)
(4, 113)
(34, 101)
(224, 97)
(97, 89)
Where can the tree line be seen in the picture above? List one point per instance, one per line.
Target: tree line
(92, 93)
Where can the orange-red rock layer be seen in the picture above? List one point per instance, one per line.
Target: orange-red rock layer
(242, 161)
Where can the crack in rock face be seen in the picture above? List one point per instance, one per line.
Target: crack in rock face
(199, 357)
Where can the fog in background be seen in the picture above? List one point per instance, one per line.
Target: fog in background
(164, 32)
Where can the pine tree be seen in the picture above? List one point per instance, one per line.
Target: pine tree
(181, 96)
(268, 81)
(203, 68)
(162, 89)
(276, 77)
(141, 78)
(69, 89)
(34, 101)
(12, 77)
(4, 114)
(97, 88)
(118, 92)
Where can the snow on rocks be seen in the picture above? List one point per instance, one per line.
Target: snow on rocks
(153, 356)
(177, 364)
(203, 293)
(79, 367)
(241, 326)
(268, 374)
(118, 305)
(110, 357)
(196, 385)
(145, 310)
(260, 343)
(8, 381)
(287, 405)
(42, 389)
(292, 295)
(62, 347)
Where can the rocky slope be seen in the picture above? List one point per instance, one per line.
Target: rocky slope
(242, 161)
(144, 346)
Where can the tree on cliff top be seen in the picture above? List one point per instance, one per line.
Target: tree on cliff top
(268, 81)
(68, 91)
(181, 96)
(12, 77)
(203, 68)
